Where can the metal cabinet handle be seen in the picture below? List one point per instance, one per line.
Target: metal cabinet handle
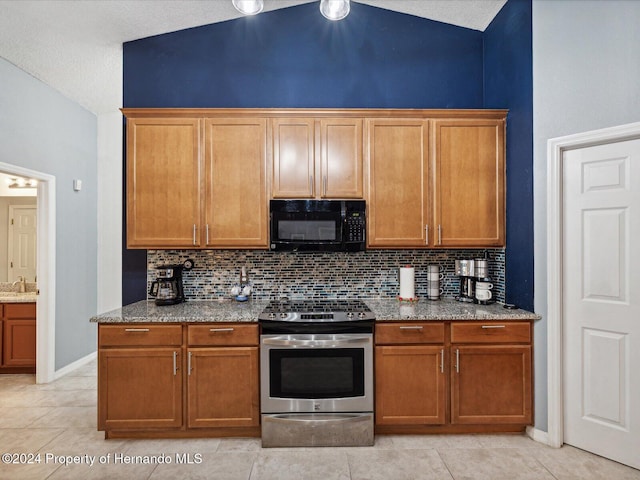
(189, 363)
(494, 326)
(439, 234)
(442, 360)
(194, 233)
(175, 363)
(426, 234)
(324, 186)
(136, 329)
(207, 234)
(311, 184)
(221, 329)
(457, 361)
(406, 327)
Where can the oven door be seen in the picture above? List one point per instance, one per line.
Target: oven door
(316, 373)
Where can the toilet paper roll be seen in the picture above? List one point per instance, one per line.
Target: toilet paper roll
(407, 282)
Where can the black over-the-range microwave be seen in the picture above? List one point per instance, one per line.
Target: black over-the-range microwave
(318, 225)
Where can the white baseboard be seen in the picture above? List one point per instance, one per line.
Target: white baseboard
(74, 365)
(538, 435)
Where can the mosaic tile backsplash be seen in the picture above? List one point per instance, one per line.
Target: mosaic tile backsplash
(368, 274)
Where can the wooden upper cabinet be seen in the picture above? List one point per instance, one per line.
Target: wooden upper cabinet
(317, 158)
(341, 158)
(293, 158)
(397, 167)
(235, 183)
(469, 174)
(164, 182)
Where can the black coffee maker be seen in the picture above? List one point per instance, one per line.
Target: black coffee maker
(168, 288)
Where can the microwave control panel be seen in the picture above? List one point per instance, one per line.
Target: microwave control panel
(355, 227)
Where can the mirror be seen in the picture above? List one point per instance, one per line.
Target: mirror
(18, 207)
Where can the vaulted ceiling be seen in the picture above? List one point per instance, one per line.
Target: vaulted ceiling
(75, 46)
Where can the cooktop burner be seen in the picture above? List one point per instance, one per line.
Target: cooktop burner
(329, 310)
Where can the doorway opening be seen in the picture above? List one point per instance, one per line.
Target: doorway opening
(44, 268)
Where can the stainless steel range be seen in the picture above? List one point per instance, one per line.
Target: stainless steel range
(316, 363)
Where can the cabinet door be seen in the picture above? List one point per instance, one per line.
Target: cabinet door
(163, 183)
(410, 385)
(491, 384)
(139, 388)
(293, 158)
(397, 191)
(469, 170)
(223, 387)
(341, 158)
(236, 185)
(19, 338)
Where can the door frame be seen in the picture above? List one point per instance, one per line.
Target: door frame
(555, 321)
(45, 269)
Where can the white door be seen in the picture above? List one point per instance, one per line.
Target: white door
(22, 243)
(601, 300)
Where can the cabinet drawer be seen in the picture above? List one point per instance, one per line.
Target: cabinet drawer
(409, 332)
(223, 334)
(139, 335)
(20, 310)
(490, 332)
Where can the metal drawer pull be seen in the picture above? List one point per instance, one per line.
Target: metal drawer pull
(136, 329)
(189, 363)
(442, 361)
(175, 363)
(221, 329)
(493, 326)
(457, 361)
(417, 327)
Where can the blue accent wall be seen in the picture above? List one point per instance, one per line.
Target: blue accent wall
(508, 83)
(294, 57)
(374, 58)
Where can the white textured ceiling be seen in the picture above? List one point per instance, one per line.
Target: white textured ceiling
(75, 46)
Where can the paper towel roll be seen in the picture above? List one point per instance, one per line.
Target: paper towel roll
(407, 282)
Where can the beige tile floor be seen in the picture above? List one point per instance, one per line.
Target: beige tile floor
(58, 421)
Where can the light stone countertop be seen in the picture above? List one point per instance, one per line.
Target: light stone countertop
(385, 309)
(444, 309)
(13, 297)
(146, 311)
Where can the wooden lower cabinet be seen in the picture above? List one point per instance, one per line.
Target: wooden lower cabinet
(223, 387)
(491, 384)
(417, 371)
(18, 338)
(426, 383)
(139, 388)
(178, 380)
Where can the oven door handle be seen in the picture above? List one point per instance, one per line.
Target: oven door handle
(299, 342)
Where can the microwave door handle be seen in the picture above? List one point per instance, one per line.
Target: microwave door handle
(294, 342)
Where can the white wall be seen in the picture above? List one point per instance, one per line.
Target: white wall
(109, 211)
(43, 131)
(586, 76)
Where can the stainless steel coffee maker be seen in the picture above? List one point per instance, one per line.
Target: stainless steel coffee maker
(465, 269)
(168, 288)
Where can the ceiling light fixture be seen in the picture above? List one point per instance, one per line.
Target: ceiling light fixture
(22, 183)
(334, 9)
(248, 7)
